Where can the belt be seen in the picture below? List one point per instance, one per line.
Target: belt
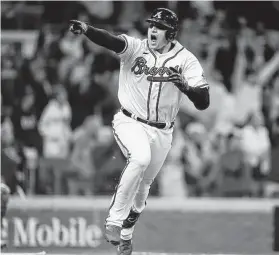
(160, 125)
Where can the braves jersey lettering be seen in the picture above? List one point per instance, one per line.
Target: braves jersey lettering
(140, 67)
(144, 89)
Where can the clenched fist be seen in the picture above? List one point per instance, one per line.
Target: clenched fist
(78, 27)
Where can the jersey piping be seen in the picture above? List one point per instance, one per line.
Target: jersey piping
(151, 84)
(160, 86)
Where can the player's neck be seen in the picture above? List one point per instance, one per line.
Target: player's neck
(166, 48)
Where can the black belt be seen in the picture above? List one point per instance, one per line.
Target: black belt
(159, 125)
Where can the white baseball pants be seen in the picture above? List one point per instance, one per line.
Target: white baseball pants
(146, 149)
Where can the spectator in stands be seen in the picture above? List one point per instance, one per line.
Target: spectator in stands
(271, 45)
(106, 69)
(28, 138)
(256, 147)
(71, 47)
(31, 93)
(7, 129)
(81, 175)
(249, 78)
(54, 125)
(194, 155)
(270, 109)
(216, 143)
(12, 159)
(108, 161)
(25, 121)
(272, 187)
(171, 177)
(234, 175)
(103, 12)
(270, 106)
(95, 90)
(225, 58)
(83, 95)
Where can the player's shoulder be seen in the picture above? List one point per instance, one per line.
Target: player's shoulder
(132, 45)
(186, 53)
(132, 39)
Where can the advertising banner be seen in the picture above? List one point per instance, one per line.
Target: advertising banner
(196, 226)
(53, 229)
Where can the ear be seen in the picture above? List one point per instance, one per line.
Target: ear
(170, 36)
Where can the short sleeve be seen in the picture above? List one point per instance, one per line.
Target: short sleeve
(131, 44)
(193, 72)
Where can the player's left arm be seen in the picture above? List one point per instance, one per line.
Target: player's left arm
(192, 83)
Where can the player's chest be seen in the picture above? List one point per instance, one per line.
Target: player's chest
(147, 65)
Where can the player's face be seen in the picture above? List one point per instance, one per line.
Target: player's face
(156, 36)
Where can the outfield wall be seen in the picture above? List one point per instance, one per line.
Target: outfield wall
(65, 224)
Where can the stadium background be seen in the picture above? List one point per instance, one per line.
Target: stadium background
(59, 94)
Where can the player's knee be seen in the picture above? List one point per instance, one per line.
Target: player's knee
(146, 183)
(142, 160)
(145, 186)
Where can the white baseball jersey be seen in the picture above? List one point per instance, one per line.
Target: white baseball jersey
(143, 87)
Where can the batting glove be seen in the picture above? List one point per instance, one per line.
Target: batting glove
(178, 79)
(78, 27)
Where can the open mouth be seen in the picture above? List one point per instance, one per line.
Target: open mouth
(153, 38)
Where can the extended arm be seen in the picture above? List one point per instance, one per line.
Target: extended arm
(269, 69)
(99, 36)
(238, 76)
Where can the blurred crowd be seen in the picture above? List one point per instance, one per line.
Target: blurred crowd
(57, 104)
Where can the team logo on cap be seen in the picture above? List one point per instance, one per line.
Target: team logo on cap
(158, 15)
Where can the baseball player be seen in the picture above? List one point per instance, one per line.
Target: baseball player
(154, 75)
